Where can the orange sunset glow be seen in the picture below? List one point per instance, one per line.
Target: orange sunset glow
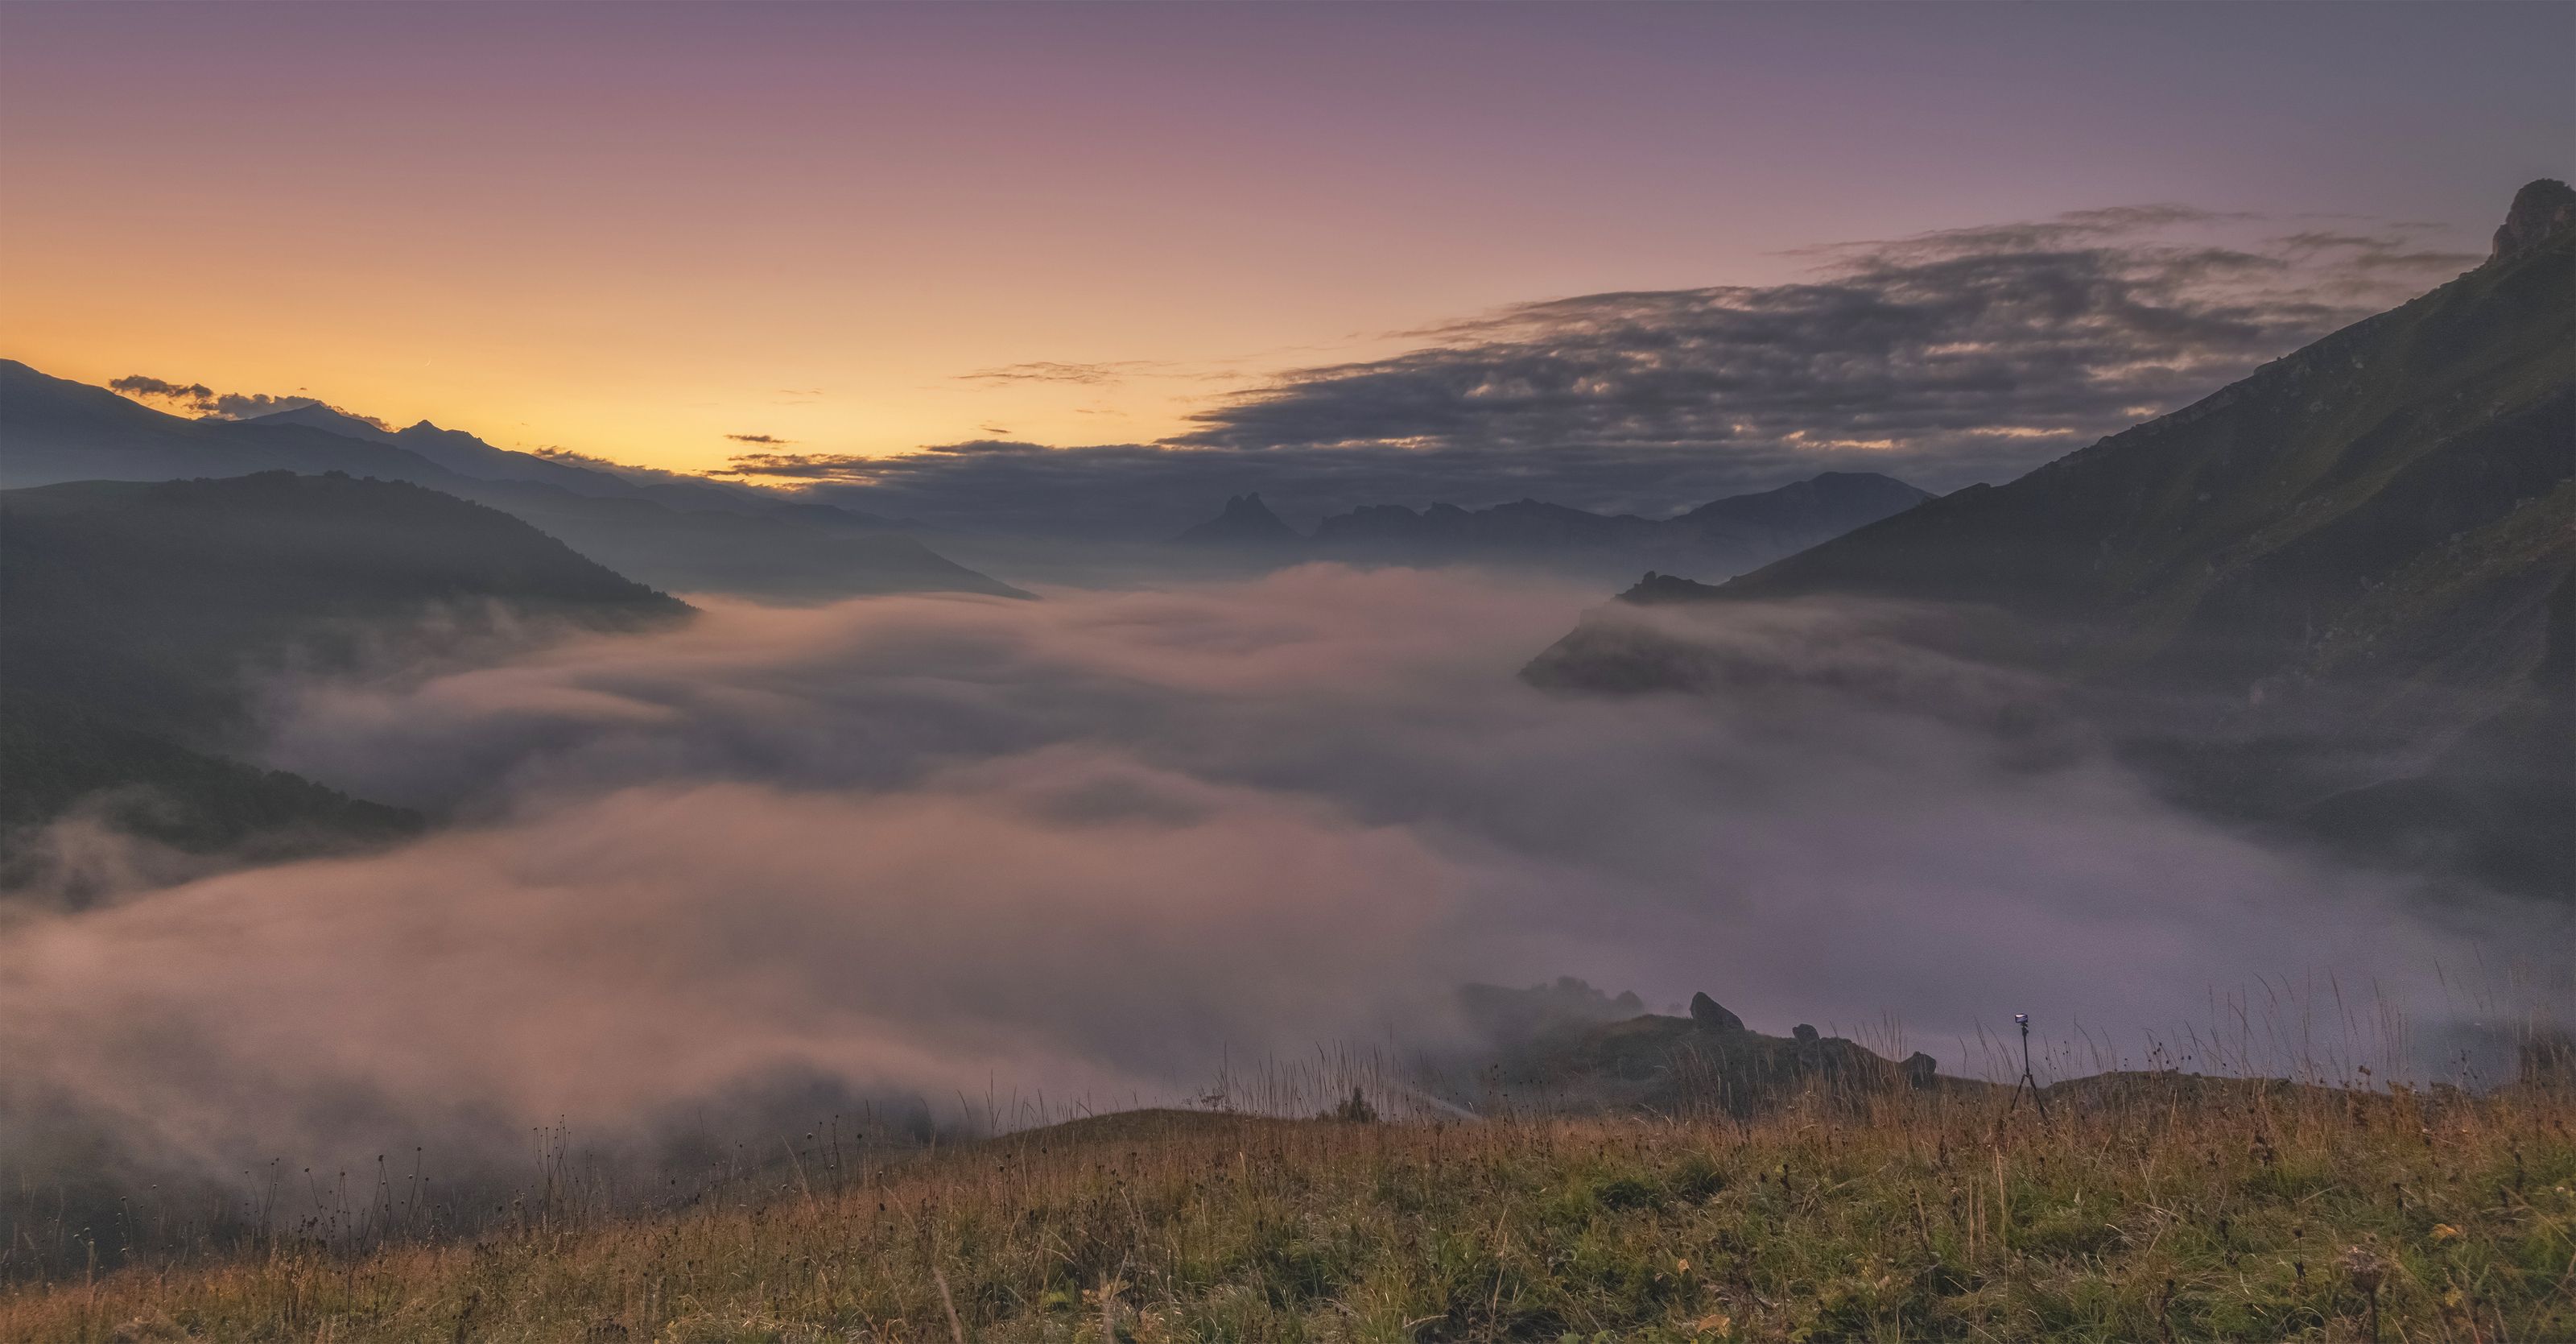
(634, 239)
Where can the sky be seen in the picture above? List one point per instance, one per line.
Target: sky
(822, 236)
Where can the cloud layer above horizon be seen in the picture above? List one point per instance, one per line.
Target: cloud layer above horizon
(1943, 359)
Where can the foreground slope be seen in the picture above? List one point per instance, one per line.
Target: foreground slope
(2337, 574)
(2162, 1209)
(140, 618)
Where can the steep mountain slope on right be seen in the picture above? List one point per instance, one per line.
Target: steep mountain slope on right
(2335, 595)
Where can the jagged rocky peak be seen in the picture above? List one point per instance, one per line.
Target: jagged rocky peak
(2540, 209)
(1245, 521)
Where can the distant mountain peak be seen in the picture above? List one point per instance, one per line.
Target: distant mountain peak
(2539, 210)
(1245, 521)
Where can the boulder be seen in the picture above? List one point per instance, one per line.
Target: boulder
(1708, 1016)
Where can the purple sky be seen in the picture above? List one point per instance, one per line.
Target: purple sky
(636, 231)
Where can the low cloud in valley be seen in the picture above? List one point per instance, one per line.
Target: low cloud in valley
(1089, 847)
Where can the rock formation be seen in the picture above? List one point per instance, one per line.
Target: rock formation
(1709, 1017)
(2540, 209)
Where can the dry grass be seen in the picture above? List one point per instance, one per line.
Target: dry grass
(2161, 1210)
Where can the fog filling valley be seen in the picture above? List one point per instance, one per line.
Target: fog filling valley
(1095, 847)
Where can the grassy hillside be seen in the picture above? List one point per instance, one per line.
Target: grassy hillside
(2153, 1207)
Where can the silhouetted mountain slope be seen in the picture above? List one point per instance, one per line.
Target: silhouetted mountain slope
(140, 616)
(769, 555)
(2330, 571)
(55, 757)
(328, 419)
(467, 455)
(680, 536)
(54, 430)
(455, 450)
(1802, 513)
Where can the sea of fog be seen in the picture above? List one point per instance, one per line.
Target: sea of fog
(1096, 847)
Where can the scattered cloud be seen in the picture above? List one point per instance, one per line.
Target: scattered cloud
(761, 440)
(2369, 253)
(644, 475)
(140, 385)
(1058, 371)
(201, 400)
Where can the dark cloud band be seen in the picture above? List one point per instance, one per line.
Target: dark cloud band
(1947, 358)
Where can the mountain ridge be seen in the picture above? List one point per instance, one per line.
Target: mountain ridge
(1731, 533)
(55, 430)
